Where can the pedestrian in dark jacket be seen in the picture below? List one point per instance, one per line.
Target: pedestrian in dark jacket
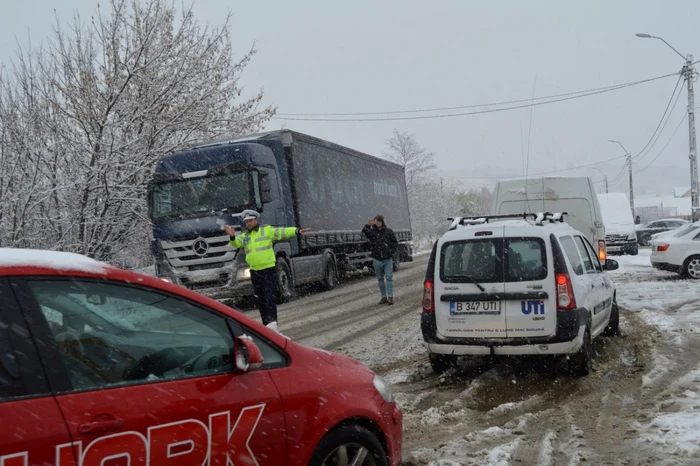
(383, 247)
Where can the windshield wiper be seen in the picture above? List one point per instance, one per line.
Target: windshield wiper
(471, 279)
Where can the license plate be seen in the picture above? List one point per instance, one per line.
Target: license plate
(475, 307)
(614, 248)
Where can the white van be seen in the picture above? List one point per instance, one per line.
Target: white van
(574, 195)
(620, 234)
(532, 286)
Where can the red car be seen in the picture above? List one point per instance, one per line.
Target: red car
(105, 367)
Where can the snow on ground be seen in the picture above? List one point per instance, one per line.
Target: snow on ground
(672, 305)
(662, 300)
(675, 428)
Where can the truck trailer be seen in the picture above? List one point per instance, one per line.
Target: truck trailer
(292, 179)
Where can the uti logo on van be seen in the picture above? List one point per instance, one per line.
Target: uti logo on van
(532, 307)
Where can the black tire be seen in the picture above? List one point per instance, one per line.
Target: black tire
(613, 328)
(634, 250)
(691, 267)
(330, 277)
(356, 440)
(285, 283)
(645, 240)
(441, 363)
(581, 363)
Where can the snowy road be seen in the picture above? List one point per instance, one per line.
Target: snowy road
(641, 405)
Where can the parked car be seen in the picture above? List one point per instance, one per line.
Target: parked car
(574, 195)
(98, 363)
(646, 232)
(620, 236)
(533, 286)
(679, 251)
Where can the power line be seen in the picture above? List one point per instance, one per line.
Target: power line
(668, 118)
(666, 145)
(536, 174)
(462, 107)
(571, 96)
(620, 175)
(662, 117)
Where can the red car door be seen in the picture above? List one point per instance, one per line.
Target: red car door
(148, 379)
(31, 420)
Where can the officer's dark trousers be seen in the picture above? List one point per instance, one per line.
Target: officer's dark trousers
(265, 289)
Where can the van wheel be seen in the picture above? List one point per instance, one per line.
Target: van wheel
(613, 328)
(691, 267)
(285, 285)
(330, 278)
(442, 362)
(581, 363)
(645, 240)
(635, 250)
(349, 445)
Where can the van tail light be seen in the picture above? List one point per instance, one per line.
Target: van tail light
(663, 247)
(428, 296)
(565, 292)
(602, 251)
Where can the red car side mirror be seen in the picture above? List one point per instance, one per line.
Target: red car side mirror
(246, 354)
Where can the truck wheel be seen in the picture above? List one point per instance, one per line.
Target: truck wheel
(613, 328)
(635, 250)
(330, 277)
(581, 363)
(442, 362)
(396, 261)
(285, 286)
(349, 445)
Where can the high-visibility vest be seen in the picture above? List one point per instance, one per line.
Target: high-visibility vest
(257, 245)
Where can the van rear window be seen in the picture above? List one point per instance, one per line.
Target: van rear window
(493, 260)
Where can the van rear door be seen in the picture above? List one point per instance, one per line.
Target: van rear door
(469, 285)
(530, 295)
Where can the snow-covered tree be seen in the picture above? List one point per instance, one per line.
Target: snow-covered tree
(83, 120)
(475, 201)
(418, 163)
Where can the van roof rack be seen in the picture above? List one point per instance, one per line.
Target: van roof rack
(538, 218)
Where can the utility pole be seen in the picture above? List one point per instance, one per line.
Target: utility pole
(629, 164)
(605, 177)
(689, 72)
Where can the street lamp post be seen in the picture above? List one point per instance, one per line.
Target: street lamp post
(629, 164)
(605, 177)
(689, 72)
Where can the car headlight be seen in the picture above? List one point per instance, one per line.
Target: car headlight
(632, 237)
(243, 274)
(383, 389)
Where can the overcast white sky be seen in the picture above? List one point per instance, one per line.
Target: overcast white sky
(364, 56)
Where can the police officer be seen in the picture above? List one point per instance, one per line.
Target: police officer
(257, 243)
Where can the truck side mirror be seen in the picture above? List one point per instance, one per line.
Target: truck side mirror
(265, 189)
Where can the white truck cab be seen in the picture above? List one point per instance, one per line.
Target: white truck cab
(516, 285)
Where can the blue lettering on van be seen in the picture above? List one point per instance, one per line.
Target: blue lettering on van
(532, 307)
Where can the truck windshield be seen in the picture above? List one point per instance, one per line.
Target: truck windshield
(214, 193)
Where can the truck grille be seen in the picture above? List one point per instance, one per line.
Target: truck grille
(200, 253)
(616, 238)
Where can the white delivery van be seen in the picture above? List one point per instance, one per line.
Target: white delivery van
(620, 234)
(574, 195)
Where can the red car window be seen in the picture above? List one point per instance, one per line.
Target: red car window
(109, 334)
